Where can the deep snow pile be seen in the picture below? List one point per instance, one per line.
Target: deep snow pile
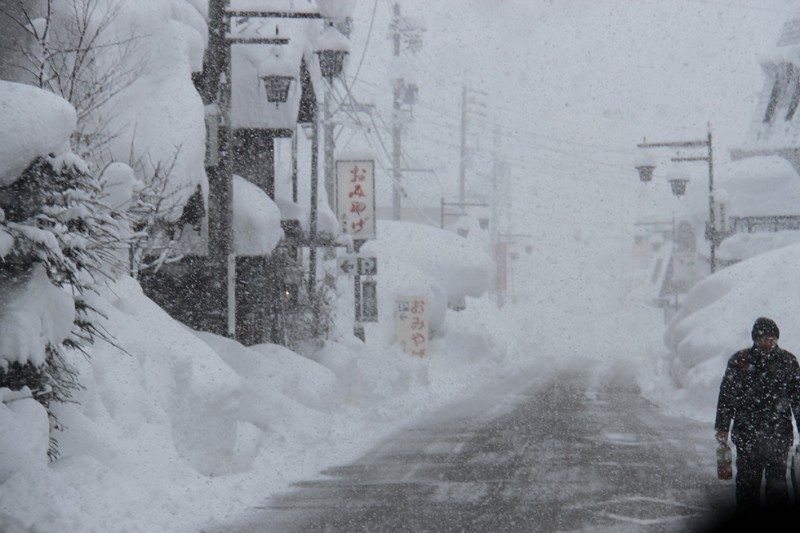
(160, 116)
(415, 259)
(34, 123)
(714, 322)
(256, 219)
(188, 428)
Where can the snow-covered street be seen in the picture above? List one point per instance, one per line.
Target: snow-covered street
(397, 265)
(567, 449)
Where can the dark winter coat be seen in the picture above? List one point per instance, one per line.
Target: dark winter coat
(759, 392)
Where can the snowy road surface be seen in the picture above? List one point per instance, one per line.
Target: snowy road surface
(577, 451)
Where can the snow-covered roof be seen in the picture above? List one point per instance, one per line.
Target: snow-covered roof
(760, 186)
(774, 127)
(249, 62)
(256, 219)
(250, 108)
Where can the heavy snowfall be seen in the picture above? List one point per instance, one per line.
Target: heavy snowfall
(386, 265)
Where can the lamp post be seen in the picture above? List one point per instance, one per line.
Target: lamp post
(277, 88)
(679, 185)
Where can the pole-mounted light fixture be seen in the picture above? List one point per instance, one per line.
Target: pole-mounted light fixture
(646, 166)
(645, 172)
(332, 49)
(331, 62)
(277, 88)
(678, 186)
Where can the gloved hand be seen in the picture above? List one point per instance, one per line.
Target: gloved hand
(722, 436)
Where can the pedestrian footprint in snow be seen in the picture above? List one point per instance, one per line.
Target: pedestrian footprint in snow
(759, 393)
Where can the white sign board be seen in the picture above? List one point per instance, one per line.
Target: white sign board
(411, 325)
(355, 198)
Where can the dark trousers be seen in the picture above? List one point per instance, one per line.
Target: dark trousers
(753, 462)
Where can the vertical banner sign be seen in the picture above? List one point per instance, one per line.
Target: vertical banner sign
(355, 198)
(411, 323)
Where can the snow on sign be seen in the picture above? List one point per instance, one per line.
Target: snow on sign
(355, 202)
(411, 323)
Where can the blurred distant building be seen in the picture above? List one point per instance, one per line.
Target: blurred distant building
(775, 129)
(763, 192)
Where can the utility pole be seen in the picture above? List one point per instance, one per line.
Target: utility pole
(328, 132)
(464, 152)
(220, 194)
(463, 161)
(403, 32)
(397, 128)
(312, 232)
(646, 172)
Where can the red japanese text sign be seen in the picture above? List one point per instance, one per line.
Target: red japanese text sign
(411, 322)
(355, 202)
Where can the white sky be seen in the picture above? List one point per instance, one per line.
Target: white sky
(600, 72)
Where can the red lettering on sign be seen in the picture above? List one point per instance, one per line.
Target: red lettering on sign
(358, 207)
(358, 192)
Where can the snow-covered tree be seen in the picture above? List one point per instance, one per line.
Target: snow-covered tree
(59, 242)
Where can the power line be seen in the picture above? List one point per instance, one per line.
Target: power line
(519, 130)
(366, 42)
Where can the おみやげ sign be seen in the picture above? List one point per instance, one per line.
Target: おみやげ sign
(355, 198)
(411, 322)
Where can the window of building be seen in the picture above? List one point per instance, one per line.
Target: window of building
(794, 83)
(773, 101)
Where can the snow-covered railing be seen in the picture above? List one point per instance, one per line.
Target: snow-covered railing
(763, 224)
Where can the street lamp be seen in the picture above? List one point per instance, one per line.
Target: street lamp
(332, 49)
(645, 172)
(277, 88)
(646, 167)
(678, 188)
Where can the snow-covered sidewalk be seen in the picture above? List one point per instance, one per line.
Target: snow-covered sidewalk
(189, 428)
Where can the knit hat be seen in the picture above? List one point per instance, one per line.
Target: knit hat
(765, 327)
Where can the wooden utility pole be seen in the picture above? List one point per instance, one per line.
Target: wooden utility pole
(463, 160)
(220, 176)
(328, 133)
(397, 128)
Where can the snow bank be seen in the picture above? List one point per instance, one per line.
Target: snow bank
(34, 123)
(715, 322)
(33, 314)
(26, 444)
(746, 245)
(185, 429)
(458, 265)
(256, 219)
(760, 186)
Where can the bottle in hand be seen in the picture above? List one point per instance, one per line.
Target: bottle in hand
(724, 467)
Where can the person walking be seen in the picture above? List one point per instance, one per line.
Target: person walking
(759, 393)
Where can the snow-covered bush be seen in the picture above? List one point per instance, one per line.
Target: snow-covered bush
(57, 243)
